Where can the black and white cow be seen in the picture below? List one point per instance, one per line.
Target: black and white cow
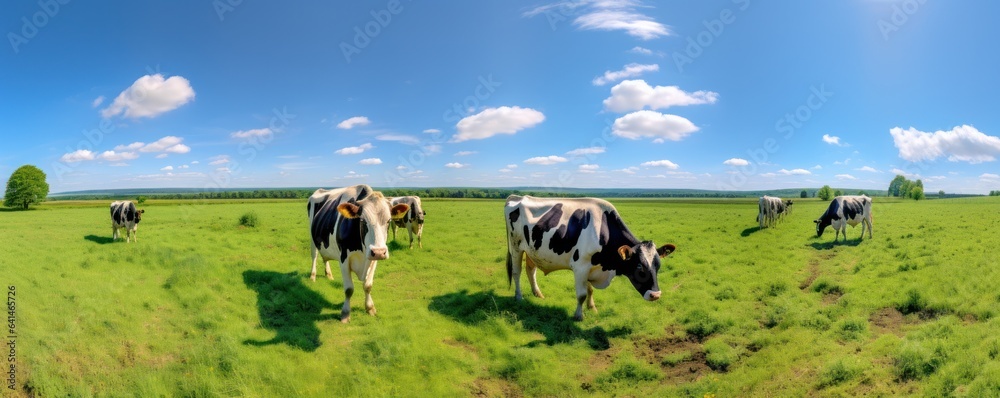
(412, 221)
(844, 211)
(125, 216)
(770, 209)
(350, 225)
(585, 235)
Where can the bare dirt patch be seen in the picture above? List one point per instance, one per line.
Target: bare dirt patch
(681, 359)
(888, 320)
(813, 274)
(832, 297)
(495, 388)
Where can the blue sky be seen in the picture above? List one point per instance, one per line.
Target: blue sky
(729, 94)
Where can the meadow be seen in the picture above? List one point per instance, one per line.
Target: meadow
(202, 306)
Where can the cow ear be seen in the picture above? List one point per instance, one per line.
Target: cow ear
(665, 250)
(142, 211)
(348, 210)
(399, 210)
(816, 221)
(625, 252)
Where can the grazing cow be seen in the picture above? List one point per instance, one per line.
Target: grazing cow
(350, 225)
(125, 216)
(844, 211)
(770, 210)
(413, 221)
(584, 235)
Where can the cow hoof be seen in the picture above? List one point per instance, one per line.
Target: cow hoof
(578, 318)
(313, 277)
(371, 311)
(346, 319)
(539, 295)
(328, 276)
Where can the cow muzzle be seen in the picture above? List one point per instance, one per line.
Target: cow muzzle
(651, 295)
(380, 253)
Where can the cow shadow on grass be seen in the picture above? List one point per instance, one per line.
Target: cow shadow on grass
(101, 240)
(750, 231)
(831, 244)
(556, 324)
(289, 308)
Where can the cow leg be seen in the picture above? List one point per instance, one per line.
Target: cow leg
(312, 275)
(345, 272)
(420, 236)
(135, 235)
(409, 232)
(114, 233)
(369, 282)
(515, 271)
(869, 222)
(532, 270)
(590, 297)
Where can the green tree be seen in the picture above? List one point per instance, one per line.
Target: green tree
(804, 194)
(896, 185)
(941, 194)
(838, 193)
(862, 193)
(825, 193)
(917, 193)
(904, 188)
(25, 187)
(141, 199)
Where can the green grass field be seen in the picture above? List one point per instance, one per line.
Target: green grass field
(201, 306)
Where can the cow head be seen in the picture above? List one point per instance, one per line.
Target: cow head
(641, 264)
(138, 215)
(375, 214)
(821, 224)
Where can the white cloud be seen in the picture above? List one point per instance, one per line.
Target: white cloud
(119, 164)
(800, 172)
(77, 156)
(195, 162)
(432, 149)
(465, 153)
(167, 168)
(832, 140)
(223, 170)
(606, 15)
(511, 166)
(868, 169)
(432, 131)
(113, 156)
(588, 168)
(97, 102)
(162, 156)
(652, 124)
(736, 162)
(633, 95)
(354, 150)
(845, 177)
(221, 159)
(169, 144)
(493, 121)
(989, 176)
(402, 138)
(545, 160)
(904, 173)
(960, 144)
(641, 50)
(130, 147)
(629, 170)
(661, 163)
(594, 150)
(817, 167)
(370, 161)
(456, 165)
(252, 133)
(353, 122)
(151, 95)
(183, 166)
(630, 70)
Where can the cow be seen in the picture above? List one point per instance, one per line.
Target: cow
(125, 216)
(844, 211)
(770, 210)
(412, 221)
(350, 225)
(584, 235)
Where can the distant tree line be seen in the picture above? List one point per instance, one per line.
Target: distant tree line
(994, 193)
(904, 188)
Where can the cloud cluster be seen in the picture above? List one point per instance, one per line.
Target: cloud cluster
(150, 96)
(633, 95)
(353, 122)
(354, 150)
(650, 124)
(960, 144)
(493, 121)
(545, 160)
(630, 70)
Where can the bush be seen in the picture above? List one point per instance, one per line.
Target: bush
(837, 373)
(719, 355)
(825, 193)
(699, 324)
(249, 220)
(913, 362)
